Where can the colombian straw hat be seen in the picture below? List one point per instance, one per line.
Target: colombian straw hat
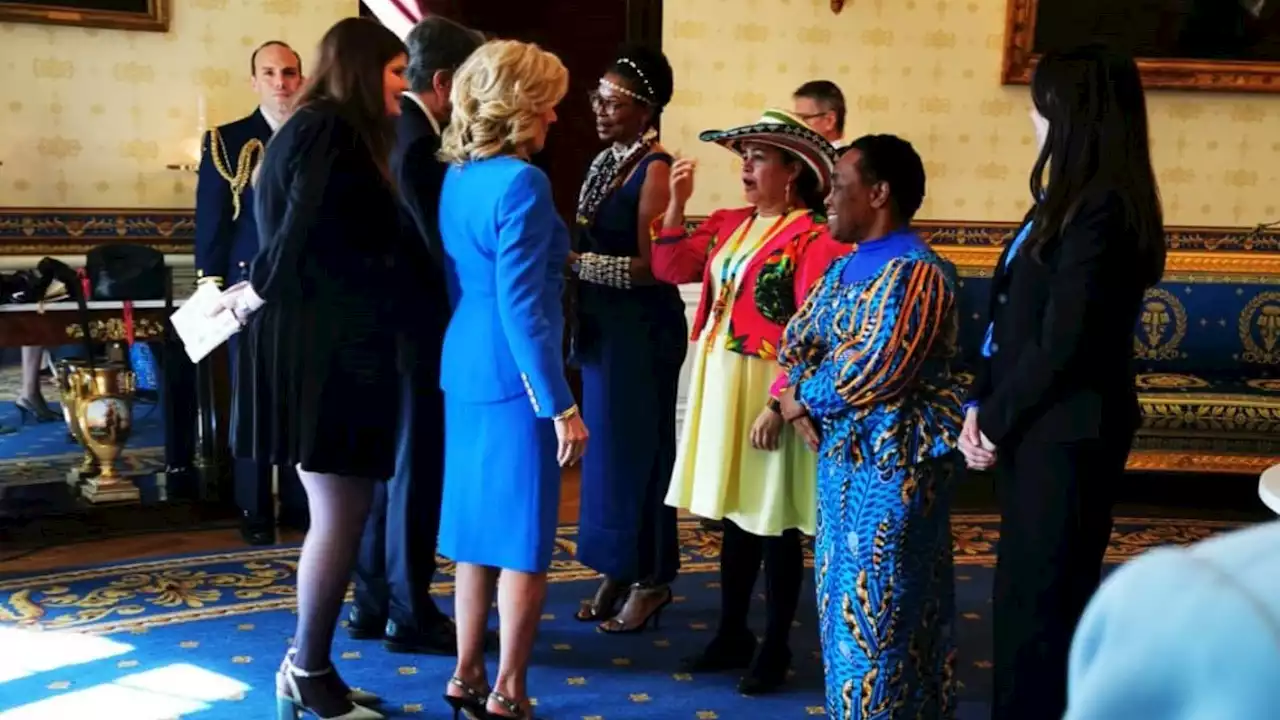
(786, 132)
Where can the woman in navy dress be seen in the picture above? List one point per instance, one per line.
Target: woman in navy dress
(630, 342)
(510, 419)
(320, 341)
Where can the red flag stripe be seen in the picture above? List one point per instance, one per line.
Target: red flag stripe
(414, 15)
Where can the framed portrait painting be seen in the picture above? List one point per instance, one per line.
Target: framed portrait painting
(145, 15)
(1223, 45)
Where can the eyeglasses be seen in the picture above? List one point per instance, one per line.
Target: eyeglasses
(609, 106)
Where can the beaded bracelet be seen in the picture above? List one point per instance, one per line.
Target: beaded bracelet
(608, 270)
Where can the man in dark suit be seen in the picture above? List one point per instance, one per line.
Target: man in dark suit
(398, 552)
(227, 241)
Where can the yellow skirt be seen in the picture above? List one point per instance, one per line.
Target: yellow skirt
(718, 474)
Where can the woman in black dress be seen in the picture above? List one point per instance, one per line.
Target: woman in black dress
(1054, 408)
(318, 387)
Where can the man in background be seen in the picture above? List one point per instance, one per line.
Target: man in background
(820, 104)
(398, 552)
(227, 241)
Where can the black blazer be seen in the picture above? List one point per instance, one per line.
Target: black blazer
(1061, 367)
(324, 343)
(419, 175)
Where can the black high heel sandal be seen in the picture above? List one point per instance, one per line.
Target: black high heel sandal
(617, 625)
(510, 706)
(604, 604)
(470, 704)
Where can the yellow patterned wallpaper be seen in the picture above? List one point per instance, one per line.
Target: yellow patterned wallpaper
(89, 118)
(929, 70)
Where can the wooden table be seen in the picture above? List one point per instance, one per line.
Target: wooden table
(189, 421)
(1269, 488)
(58, 323)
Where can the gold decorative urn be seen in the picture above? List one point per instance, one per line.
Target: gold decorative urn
(104, 412)
(69, 395)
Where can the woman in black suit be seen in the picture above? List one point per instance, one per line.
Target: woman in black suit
(1054, 409)
(318, 383)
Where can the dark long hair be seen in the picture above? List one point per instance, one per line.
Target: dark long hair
(1097, 142)
(353, 57)
(806, 187)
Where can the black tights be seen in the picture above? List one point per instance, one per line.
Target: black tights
(339, 506)
(740, 559)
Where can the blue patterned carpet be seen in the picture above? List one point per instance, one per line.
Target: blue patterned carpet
(34, 441)
(201, 637)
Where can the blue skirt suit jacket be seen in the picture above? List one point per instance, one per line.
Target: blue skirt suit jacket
(502, 368)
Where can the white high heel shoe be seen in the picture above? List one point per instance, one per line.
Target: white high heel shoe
(355, 695)
(289, 705)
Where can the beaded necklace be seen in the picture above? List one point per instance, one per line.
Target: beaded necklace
(607, 172)
(734, 263)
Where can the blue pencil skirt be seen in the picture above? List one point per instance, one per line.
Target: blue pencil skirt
(501, 486)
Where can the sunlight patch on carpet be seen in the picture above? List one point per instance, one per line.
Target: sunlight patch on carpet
(168, 692)
(29, 652)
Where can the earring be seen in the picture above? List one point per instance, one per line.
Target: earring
(787, 197)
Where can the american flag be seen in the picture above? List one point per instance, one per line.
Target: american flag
(398, 15)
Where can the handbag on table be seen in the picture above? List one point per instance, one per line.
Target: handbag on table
(127, 273)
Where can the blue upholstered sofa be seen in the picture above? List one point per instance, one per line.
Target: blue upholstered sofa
(1207, 343)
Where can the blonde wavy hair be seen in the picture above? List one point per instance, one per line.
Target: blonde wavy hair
(499, 96)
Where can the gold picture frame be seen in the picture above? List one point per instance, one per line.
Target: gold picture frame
(148, 15)
(1020, 59)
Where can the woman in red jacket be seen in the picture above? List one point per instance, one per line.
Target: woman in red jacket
(738, 460)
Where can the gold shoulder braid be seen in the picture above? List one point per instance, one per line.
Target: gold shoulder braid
(246, 163)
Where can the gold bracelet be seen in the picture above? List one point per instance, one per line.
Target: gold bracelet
(215, 279)
(567, 414)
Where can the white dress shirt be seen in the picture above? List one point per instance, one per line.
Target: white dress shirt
(435, 125)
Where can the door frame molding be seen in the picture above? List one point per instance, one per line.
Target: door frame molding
(644, 23)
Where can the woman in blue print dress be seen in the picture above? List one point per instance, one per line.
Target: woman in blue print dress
(630, 342)
(867, 361)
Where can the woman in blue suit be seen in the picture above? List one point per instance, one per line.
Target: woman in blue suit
(510, 419)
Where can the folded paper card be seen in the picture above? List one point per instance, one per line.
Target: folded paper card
(205, 320)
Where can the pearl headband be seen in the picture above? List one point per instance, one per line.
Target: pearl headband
(649, 97)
